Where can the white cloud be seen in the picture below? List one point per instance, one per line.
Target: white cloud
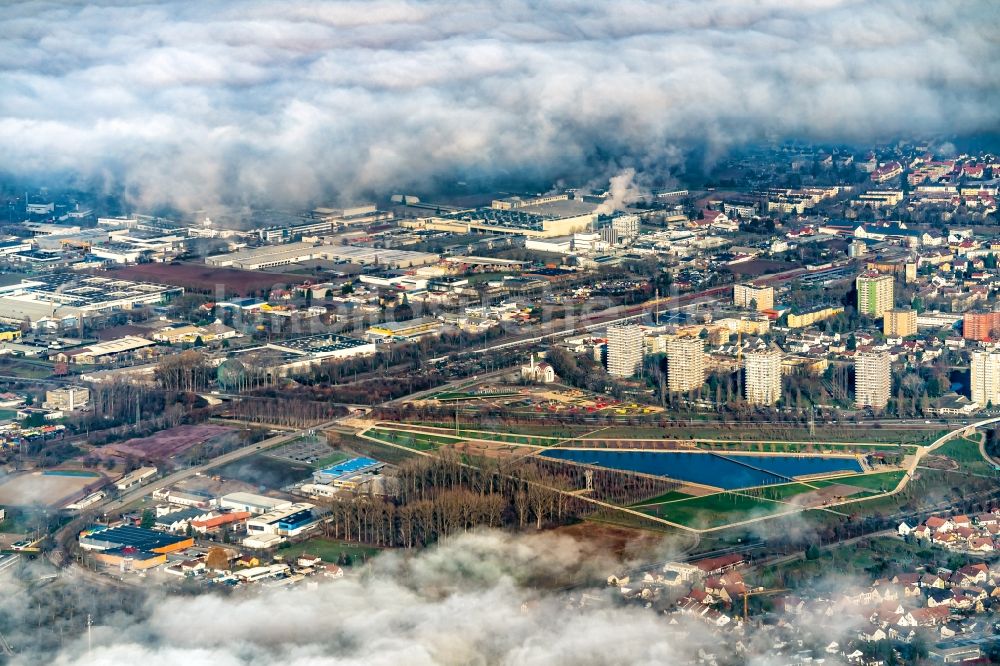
(235, 102)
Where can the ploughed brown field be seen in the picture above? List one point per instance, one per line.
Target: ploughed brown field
(203, 279)
(164, 444)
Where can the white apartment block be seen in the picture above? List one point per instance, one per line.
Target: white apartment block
(625, 348)
(762, 376)
(872, 379)
(685, 364)
(985, 378)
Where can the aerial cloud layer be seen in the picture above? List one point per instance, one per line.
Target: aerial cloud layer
(225, 101)
(470, 600)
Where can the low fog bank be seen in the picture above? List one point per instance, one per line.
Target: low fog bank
(222, 102)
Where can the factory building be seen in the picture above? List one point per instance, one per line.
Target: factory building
(539, 217)
(289, 521)
(251, 503)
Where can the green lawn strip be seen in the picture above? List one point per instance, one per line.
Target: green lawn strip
(670, 496)
(965, 452)
(714, 510)
(404, 439)
(874, 482)
(459, 397)
(330, 550)
(510, 438)
(327, 461)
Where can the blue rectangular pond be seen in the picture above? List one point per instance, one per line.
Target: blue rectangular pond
(722, 470)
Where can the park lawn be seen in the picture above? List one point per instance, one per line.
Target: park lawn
(411, 440)
(25, 369)
(715, 510)
(670, 496)
(875, 482)
(327, 461)
(780, 492)
(965, 452)
(452, 396)
(558, 432)
(330, 550)
(511, 438)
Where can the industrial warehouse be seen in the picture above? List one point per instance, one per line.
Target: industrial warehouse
(65, 299)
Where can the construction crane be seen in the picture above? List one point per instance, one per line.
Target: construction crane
(756, 593)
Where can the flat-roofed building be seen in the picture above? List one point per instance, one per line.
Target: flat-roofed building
(899, 322)
(872, 380)
(981, 326)
(413, 329)
(685, 364)
(324, 345)
(289, 521)
(251, 503)
(137, 538)
(67, 398)
(875, 293)
(985, 378)
(135, 478)
(625, 350)
(753, 296)
(762, 376)
(346, 473)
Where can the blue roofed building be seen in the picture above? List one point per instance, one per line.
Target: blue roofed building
(346, 472)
